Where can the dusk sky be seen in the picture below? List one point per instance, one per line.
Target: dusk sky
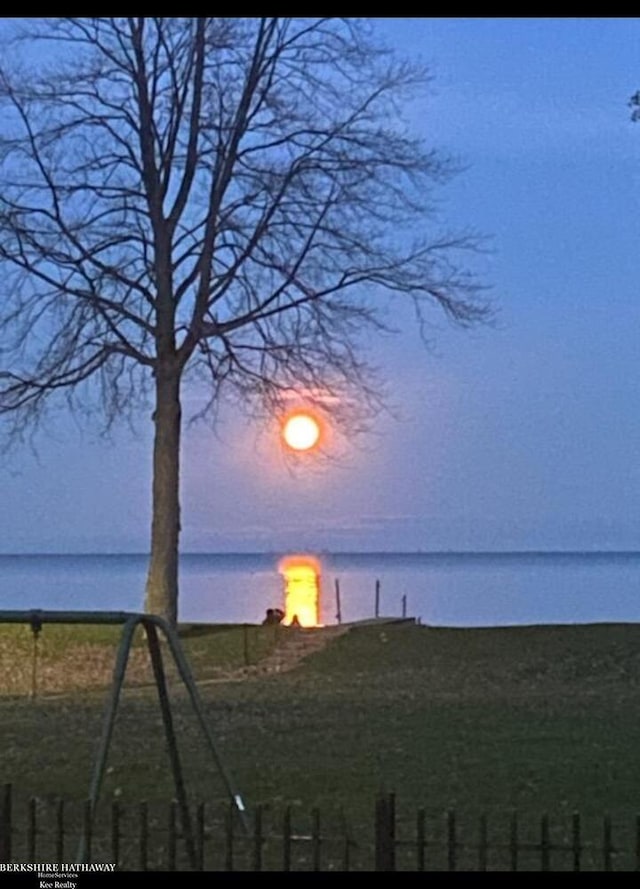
(520, 435)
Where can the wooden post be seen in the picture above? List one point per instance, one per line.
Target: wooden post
(245, 644)
(377, 606)
(338, 606)
(34, 667)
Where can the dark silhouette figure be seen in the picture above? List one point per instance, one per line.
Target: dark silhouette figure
(274, 616)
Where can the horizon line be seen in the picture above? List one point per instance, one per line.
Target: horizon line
(340, 552)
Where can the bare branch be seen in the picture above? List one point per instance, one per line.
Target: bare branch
(226, 197)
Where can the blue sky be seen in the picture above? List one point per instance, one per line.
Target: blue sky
(523, 435)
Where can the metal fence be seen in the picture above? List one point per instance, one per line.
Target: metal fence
(149, 837)
(449, 841)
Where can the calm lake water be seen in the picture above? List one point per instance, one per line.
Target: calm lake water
(446, 589)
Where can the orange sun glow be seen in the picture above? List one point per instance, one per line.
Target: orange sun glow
(302, 590)
(301, 431)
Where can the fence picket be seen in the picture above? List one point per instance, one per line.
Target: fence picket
(172, 843)
(576, 844)
(228, 824)
(200, 830)
(451, 841)
(316, 840)
(385, 838)
(6, 826)
(143, 835)
(421, 840)
(31, 829)
(513, 842)
(257, 839)
(115, 833)
(87, 828)
(286, 840)
(346, 848)
(60, 831)
(544, 843)
(482, 843)
(460, 844)
(607, 844)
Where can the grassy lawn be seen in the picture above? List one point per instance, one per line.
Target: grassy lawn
(534, 719)
(77, 657)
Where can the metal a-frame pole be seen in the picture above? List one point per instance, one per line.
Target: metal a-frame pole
(172, 747)
(108, 723)
(196, 702)
(150, 623)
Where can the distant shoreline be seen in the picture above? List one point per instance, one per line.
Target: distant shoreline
(324, 552)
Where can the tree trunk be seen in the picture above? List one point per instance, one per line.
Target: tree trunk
(162, 579)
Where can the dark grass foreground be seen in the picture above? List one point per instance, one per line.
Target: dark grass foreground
(538, 719)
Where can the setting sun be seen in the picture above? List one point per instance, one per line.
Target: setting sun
(301, 431)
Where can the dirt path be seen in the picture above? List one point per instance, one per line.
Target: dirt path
(293, 647)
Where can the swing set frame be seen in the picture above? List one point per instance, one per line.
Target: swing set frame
(152, 626)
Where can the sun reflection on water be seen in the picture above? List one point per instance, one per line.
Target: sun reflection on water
(301, 575)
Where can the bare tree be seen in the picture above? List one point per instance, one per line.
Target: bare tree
(223, 198)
